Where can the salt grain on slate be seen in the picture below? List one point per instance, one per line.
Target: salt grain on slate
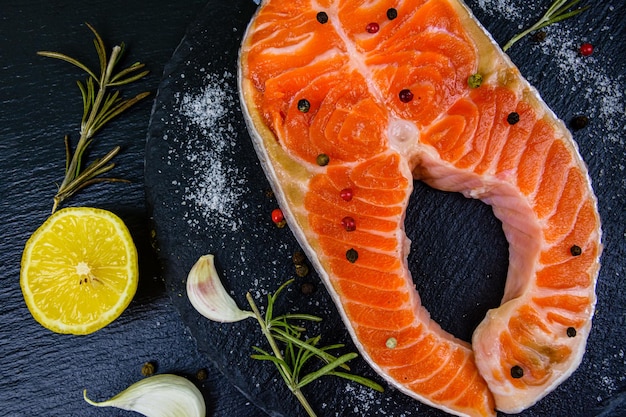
(504, 8)
(217, 185)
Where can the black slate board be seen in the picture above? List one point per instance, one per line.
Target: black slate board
(459, 255)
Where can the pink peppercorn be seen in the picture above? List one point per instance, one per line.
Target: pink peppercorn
(348, 223)
(346, 194)
(586, 49)
(277, 216)
(372, 27)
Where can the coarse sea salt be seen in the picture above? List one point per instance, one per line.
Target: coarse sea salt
(213, 192)
(505, 8)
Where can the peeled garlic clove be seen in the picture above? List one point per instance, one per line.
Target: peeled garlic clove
(164, 395)
(208, 296)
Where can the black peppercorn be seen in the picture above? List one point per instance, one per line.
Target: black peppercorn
(517, 372)
(539, 36)
(322, 17)
(575, 250)
(303, 105)
(392, 13)
(307, 288)
(352, 255)
(579, 122)
(298, 258)
(571, 332)
(512, 118)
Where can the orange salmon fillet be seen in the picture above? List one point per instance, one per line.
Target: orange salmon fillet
(349, 102)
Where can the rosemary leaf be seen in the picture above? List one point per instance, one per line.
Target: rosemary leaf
(302, 358)
(307, 379)
(66, 58)
(68, 153)
(359, 380)
(274, 324)
(320, 352)
(122, 47)
(100, 49)
(308, 317)
(115, 80)
(118, 109)
(268, 357)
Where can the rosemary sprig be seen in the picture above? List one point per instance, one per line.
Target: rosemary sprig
(99, 107)
(297, 352)
(558, 11)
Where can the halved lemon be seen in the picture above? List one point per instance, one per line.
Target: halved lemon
(79, 270)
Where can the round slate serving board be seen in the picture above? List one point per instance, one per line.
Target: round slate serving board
(208, 194)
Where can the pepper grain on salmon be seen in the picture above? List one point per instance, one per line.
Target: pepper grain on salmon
(452, 134)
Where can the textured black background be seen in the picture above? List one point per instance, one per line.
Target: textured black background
(44, 373)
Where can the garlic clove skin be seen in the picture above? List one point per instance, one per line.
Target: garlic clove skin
(209, 297)
(164, 395)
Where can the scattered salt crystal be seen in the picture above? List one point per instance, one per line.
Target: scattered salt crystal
(504, 8)
(217, 182)
(609, 384)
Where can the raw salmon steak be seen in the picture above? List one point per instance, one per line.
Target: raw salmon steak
(349, 102)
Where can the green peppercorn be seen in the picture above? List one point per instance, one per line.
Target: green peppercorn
(322, 160)
(302, 270)
(475, 80)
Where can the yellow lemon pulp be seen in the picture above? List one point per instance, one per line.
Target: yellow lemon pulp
(79, 270)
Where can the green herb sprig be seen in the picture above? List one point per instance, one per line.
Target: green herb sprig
(99, 107)
(296, 352)
(558, 11)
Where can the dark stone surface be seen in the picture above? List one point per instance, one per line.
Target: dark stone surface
(44, 373)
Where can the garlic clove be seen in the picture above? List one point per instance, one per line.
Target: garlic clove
(164, 395)
(209, 297)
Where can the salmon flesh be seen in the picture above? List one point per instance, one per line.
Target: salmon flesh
(347, 103)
